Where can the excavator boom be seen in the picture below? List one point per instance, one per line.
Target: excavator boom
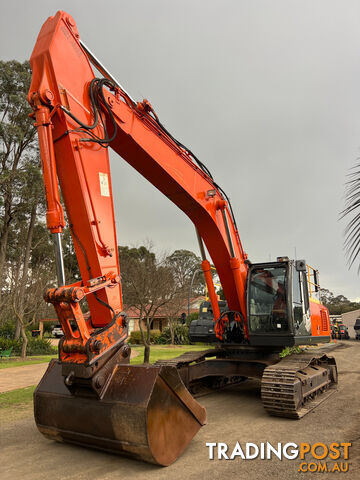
(61, 92)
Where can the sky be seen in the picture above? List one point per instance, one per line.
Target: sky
(265, 92)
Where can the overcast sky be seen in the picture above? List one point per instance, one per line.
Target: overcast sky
(265, 92)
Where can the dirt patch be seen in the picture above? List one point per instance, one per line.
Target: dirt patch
(27, 375)
(21, 411)
(20, 377)
(233, 415)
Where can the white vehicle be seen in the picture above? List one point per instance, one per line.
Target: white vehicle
(57, 331)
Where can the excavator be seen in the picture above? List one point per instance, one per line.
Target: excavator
(91, 395)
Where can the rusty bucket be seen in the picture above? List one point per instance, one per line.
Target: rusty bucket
(144, 412)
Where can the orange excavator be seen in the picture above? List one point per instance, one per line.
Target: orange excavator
(91, 396)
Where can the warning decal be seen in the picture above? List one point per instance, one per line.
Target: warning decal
(104, 184)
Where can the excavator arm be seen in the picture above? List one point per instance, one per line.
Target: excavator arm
(78, 117)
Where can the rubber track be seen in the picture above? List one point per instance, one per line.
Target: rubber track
(278, 386)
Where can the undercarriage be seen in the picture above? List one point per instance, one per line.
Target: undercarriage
(149, 412)
(290, 387)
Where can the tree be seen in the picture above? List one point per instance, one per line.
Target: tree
(26, 264)
(17, 145)
(148, 285)
(186, 268)
(27, 303)
(326, 296)
(173, 310)
(337, 304)
(184, 264)
(352, 209)
(72, 271)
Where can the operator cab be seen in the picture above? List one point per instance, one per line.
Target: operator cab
(281, 305)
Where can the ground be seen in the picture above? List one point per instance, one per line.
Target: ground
(233, 415)
(14, 377)
(20, 377)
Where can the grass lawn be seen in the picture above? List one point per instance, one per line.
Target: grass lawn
(16, 397)
(164, 352)
(157, 352)
(19, 362)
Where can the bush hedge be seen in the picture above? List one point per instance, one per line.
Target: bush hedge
(7, 330)
(135, 337)
(181, 335)
(35, 346)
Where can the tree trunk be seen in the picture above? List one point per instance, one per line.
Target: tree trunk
(147, 353)
(17, 329)
(25, 341)
(147, 342)
(4, 241)
(28, 246)
(8, 204)
(172, 333)
(144, 340)
(140, 327)
(21, 288)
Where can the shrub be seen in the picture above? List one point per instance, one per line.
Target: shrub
(161, 339)
(135, 337)
(35, 346)
(290, 351)
(40, 346)
(6, 343)
(7, 330)
(154, 336)
(181, 335)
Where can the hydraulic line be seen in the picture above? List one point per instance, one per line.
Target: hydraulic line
(97, 100)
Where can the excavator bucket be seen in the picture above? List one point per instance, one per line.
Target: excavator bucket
(144, 412)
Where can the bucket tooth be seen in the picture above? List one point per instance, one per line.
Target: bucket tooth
(146, 412)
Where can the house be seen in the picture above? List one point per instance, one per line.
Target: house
(160, 320)
(133, 313)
